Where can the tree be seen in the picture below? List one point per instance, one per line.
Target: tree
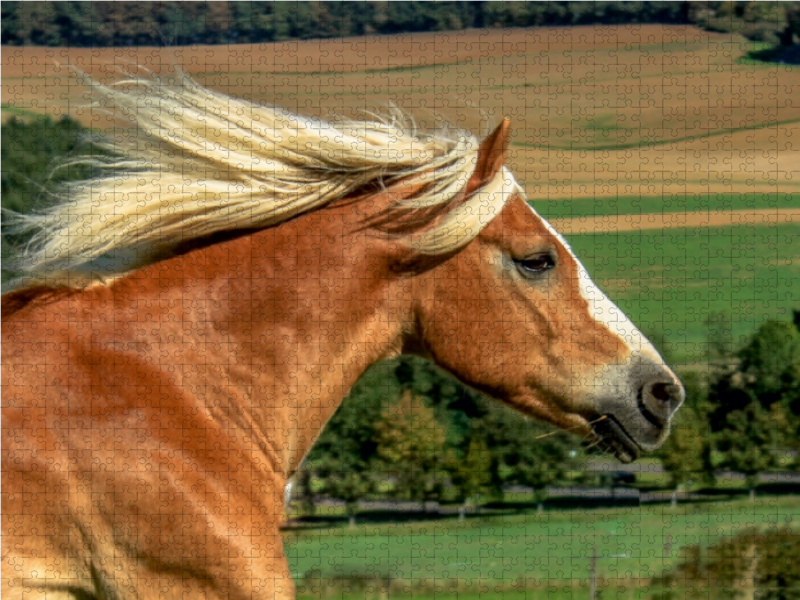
(684, 454)
(770, 372)
(31, 150)
(470, 474)
(762, 21)
(304, 491)
(756, 405)
(349, 441)
(524, 452)
(749, 442)
(770, 362)
(411, 446)
(345, 480)
(453, 404)
(85, 23)
(344, 457)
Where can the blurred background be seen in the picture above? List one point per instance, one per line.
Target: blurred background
(663, 140)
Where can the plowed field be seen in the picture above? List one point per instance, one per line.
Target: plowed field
(598, 111)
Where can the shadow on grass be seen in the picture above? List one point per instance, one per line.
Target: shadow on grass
(779, 489)
(786, 55)
(450, 513)
(561, 504)
(565, 503)
(769, 489)
(386, 517)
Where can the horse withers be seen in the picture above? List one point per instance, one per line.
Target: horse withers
(156, 404)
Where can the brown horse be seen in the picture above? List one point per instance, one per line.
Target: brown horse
(193, 317)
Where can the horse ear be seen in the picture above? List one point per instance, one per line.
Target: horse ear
(491, 156)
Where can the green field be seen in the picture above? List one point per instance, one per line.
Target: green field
(670, 280)
(633, 544)
(571, 208)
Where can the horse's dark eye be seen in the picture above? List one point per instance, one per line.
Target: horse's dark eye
(536, 265)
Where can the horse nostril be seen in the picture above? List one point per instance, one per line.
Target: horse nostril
(658, 401)
(662, 391)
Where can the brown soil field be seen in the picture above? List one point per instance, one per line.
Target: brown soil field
(597, 111)
(677, 220)
(349, 54)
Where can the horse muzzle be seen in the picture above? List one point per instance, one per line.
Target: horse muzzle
(634, 407)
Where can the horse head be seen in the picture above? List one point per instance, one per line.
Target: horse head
(515, 314)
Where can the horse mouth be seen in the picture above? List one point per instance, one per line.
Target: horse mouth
(611, 437)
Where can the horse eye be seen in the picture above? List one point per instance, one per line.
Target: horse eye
(536, 265)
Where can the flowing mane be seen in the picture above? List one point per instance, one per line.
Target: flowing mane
(192, 162)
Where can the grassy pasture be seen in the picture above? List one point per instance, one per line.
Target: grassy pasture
(671, 280)
(633, 544)
(569, 208)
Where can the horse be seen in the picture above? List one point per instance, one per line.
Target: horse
(192, 315)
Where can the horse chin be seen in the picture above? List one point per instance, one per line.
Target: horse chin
(611, 437)
(615, 424)
(626, 438)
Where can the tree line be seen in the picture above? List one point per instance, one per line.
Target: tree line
(743, 414)
(409, 431)
(127, 23)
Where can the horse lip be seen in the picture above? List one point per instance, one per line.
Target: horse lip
(613, 437)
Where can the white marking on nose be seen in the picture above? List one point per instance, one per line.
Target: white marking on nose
(603, 310)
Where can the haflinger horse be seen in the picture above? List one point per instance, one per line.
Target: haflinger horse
(156, 403)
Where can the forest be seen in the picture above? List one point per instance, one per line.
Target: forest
(126, 23)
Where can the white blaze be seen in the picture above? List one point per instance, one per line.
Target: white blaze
(604, 310)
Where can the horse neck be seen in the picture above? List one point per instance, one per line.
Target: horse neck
(301, 310)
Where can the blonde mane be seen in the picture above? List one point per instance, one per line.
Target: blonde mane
(193, 162)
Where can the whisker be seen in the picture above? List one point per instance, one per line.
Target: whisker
(594, 444)
(569, 429)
